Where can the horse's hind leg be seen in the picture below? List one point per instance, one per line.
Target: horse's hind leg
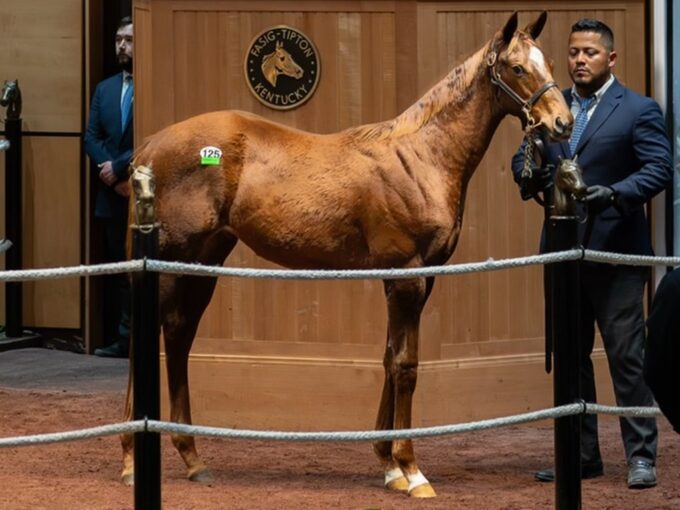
(183, 300)
(394, 477)
(405, 300)
(185, 303)
(190, 296)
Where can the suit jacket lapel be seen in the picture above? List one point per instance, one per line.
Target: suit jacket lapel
(609, 102)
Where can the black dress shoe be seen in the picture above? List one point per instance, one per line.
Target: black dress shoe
(641, 475)
(115, 350)
(587, 472)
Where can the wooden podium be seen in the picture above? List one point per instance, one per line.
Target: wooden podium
(307, 355)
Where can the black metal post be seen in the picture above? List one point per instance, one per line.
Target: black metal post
(548, 208)
(566, 348)
(13, 199)
(146, 370)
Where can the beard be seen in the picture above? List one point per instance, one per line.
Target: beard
(125, 62)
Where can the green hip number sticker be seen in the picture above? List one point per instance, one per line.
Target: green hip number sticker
(211, 156)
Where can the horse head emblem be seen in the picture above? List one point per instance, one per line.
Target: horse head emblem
(569, 186)
(280, 62)
(11, 98)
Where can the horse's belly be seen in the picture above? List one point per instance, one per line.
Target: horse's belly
(302, 249)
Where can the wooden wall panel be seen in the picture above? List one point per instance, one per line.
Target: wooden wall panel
(41, 46)
(51, 216)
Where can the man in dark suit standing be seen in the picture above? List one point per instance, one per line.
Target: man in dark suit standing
(622, 146)
(108, 143)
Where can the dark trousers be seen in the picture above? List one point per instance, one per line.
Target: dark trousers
(612, 297)
(117, 300)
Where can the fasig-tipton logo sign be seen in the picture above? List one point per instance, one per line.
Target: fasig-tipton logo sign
(282, 67)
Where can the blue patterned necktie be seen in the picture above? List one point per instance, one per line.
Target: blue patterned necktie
(581, 121)
(125, 104)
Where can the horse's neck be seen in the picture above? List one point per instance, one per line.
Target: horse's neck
(463, 118)
(269, 68)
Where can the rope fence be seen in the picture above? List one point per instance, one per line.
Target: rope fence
(372, 435)
(353, 436)
(181, 268)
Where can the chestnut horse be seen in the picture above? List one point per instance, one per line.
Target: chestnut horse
(385, 195)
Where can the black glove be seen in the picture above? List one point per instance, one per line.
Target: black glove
(541, 179)
(599, 198)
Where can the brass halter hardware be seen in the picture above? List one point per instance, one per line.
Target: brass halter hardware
(526, 106)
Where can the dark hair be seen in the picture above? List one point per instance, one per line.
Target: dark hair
(127, 20)
(593, 25)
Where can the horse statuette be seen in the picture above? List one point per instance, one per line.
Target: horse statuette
(569, 187)
(384, 195)
(10, 97)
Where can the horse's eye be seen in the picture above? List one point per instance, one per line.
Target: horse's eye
(518, 70)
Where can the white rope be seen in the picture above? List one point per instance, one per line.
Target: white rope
(371, 435)
(630, 260)
(73, 435)
(634, 412)
(24, 275)
(361, 274)
(182, 268)
(367, 435)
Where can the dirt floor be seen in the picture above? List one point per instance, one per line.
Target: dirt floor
(50, 391)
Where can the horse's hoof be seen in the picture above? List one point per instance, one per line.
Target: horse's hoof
(128, 479)
(202, 476)
(398, 484)
(423, 491)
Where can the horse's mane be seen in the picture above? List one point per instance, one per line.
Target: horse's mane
(455, 88)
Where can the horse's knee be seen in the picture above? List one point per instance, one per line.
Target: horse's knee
(405, 376)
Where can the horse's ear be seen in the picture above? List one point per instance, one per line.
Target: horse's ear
(534, 29)
(509, 28)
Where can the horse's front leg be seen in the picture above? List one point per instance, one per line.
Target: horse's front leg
(405, 301)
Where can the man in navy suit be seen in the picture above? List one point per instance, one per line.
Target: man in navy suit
(108, 143)
(622, 146)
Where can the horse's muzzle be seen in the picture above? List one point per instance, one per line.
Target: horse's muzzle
(561, 129)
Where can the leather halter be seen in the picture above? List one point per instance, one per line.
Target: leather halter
(525, 104)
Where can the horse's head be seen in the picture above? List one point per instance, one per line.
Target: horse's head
(9, 92)
(523, 75)
(11, 98)
(280, 62)
(144, 189)
(569, 178)
(569, 186)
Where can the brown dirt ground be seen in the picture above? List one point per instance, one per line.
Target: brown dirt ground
(487, 470)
